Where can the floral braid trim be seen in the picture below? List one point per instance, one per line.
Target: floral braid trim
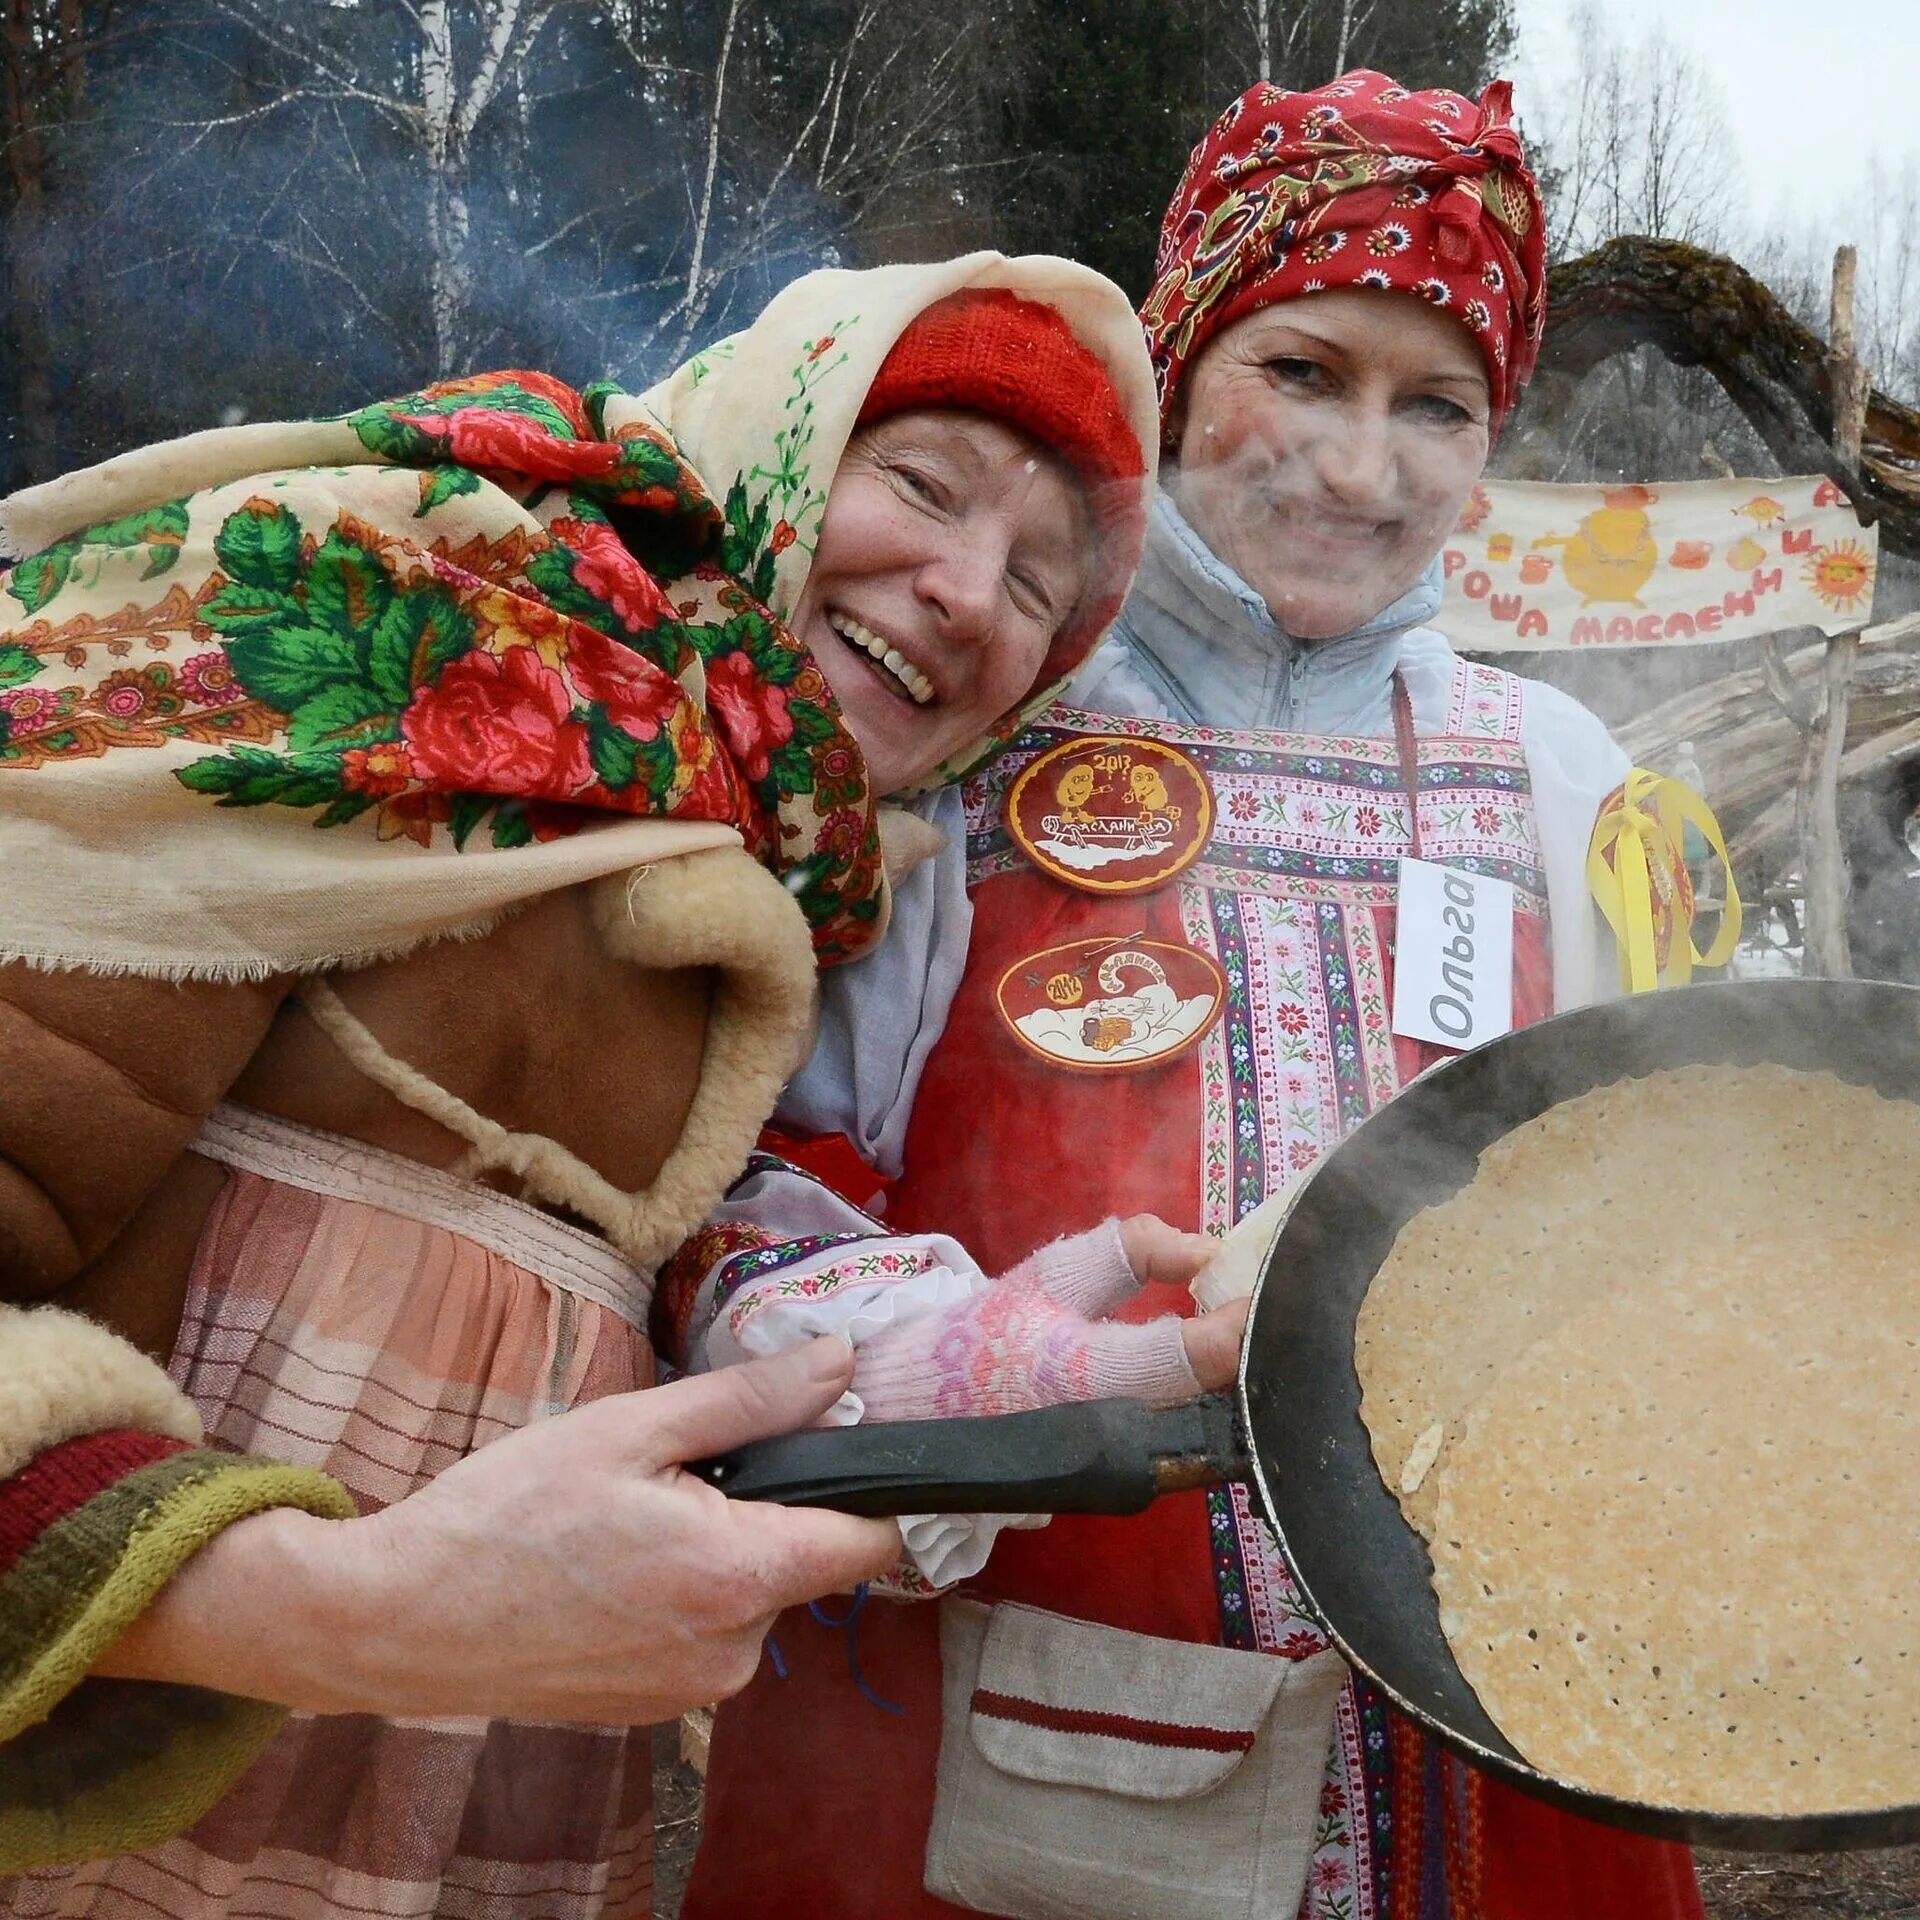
(678, 1285)
(748, 1269)
(752, 1283)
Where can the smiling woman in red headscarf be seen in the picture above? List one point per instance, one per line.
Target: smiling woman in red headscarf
(1190, 870)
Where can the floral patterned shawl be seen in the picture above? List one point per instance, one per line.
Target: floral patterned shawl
(450, 652)
(485, 651)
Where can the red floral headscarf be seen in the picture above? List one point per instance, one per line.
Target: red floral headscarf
(1357, 184)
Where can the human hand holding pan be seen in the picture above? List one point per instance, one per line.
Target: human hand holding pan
(1293, 1427)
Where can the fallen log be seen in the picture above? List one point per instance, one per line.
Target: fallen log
(1704, 310)
(1770, 835)
(1750, 751)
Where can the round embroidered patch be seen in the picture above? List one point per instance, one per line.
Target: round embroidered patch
(1111, 815)
(1109, 1004)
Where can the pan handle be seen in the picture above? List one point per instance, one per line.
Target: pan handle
(1095, 1456)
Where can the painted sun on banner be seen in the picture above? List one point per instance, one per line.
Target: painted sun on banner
(1532, 566)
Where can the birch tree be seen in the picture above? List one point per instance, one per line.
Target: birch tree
(432, 79)
(1641, 148)
(1343, 44)
(1277, 29)
(452, 102)
(856, 130)
(1304, 43)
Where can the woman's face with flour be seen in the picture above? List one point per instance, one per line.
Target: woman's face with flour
(1327, 446)
(952, 551)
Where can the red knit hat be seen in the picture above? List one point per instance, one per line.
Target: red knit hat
(1359, 183)
(986, 350)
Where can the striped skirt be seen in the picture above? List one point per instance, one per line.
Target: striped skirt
(353, 1311)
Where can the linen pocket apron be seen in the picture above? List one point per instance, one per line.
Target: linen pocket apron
(1201, 1797)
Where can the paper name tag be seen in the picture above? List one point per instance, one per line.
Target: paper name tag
(1453, 968)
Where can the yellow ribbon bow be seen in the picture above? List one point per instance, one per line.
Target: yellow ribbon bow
(1637, 869)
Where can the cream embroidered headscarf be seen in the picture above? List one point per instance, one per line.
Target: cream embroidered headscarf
(805, 365)
(263, 717)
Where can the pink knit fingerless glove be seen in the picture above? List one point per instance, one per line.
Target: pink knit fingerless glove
(1030, 1340)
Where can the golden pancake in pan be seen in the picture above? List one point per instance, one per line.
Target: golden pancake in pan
(1650, 1387)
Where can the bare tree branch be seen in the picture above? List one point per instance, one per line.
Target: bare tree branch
(692, 303)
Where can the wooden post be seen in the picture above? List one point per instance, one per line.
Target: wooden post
(696, 1738)
(1817, 793)
(1791, 700)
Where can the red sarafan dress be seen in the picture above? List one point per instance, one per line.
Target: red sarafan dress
(1090, 1770)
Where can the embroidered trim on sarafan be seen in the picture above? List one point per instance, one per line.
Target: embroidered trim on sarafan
(1290, 899)
(1346, 1874)
(1280, 1620)
(1230, 1573)
(1218, 1210)
(1311, 817)
(1484, 702)
(1379, 1069)
(1363, 1760)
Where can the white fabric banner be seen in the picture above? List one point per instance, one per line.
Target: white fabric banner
(1532, 566)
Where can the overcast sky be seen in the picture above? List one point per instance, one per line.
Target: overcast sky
(1811, 87)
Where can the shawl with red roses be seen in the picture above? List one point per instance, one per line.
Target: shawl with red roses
(479, 682)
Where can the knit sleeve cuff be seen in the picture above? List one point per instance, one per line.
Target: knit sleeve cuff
(91, 1529)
